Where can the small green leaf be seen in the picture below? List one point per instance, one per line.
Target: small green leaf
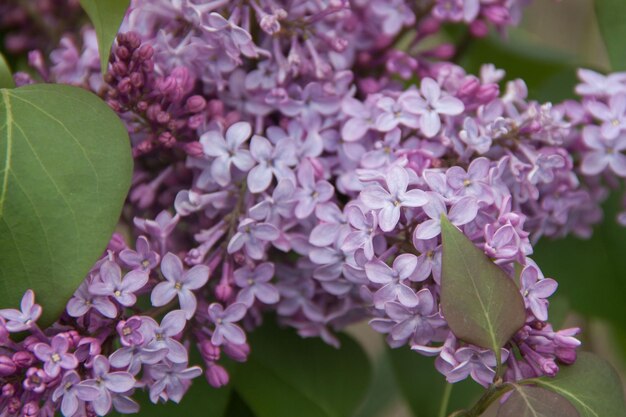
(526, 401)
(611, 16)
(65, 169)
(288, 376)
(590, 384)
(482, 305)
(106, 16)
(6, 77)
(423, 386)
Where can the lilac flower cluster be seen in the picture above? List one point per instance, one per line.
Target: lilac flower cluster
(291, 171)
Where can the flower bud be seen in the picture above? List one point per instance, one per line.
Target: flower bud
(8, 390)
(7, 366)
(195, 104)
(237, 353)
(209, 351)
(216, 376)
(30, 409)
(23, 359)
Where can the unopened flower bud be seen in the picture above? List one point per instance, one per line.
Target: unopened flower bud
(216, 376)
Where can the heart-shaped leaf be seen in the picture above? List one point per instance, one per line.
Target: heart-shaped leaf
(481, 303)
(590, 384)
(526, 401)
(611, 16)
(6, 78)
(288, 376)
(106, 16)
(65, 169)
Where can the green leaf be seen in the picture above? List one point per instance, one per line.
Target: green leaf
(591, 272)
(590, 384)
(383, 389)
(423, 386)
(526, 401)
(611, 16)
(288, 376)
(482, 305)
(106, 16)
(6, 77)
(65, 169)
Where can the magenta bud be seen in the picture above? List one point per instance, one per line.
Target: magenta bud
(142, 106)
(30, 409)
(146, 52)
(216, 107)
(23, 359)
(136, 79)
(195, 121)
(14, 405)
(167, 139)
(30, 342)
(443, 51)
(122, 52)
(120, 68)
(567, 356)
(479, 29)
(223, 292)
(8, 390)
(210, 352)
(216, 376)
(237, 353)
(196, 104)
(7, 366)
(428, 27)
(117, 243)
(469, 86)
(125, 85)
(194, 149)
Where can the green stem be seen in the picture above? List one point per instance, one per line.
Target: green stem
(492, 394)
(445, 400)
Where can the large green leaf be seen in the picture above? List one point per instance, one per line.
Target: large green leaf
(6, 78)
(65, 169)
(423, 387)
(526, 401)
(591, 272)
(106, 16)
(481, 304)
(288, 376)
(611, 16)
(590, 384)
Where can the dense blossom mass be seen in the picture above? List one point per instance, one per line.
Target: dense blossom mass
(289, 158)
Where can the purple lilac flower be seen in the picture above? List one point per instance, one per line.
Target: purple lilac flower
(252, 237)
(23, 319)
(227, 151)
(389, 201)
(179, 282)
(365, 229)
(55, 355)
(536, 289)
(393, 280)
(311, 192)
(143, 258)
(613, 116)
(225, 328)
(430, 104)
(272, 161)
(603, 153)
(165, 335)
(255, 284)
(106, 383)
(461, 212)
(171, 380)
(121, 289)
(83, 301)
(73, 391)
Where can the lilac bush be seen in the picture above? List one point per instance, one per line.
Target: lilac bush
(284, 164)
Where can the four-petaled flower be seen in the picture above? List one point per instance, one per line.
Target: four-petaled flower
(171, 380)
(255, 284)
(535, 289)
(55, 355)
(106, 383)
(430, 105)
(227, 151)
(225, 328)
(73, 391)
(393, 280)
(273, 161)
(603, 153)
(121, 289)
(389, 201)
(23, 319)
(179, 282)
